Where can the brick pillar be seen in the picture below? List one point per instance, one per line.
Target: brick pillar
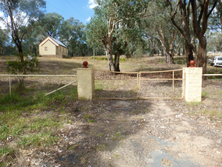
(85, 83)
(192, 85)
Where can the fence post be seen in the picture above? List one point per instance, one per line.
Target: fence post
(192, 84)
(85, 83)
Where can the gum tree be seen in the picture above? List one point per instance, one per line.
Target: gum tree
(116, 14)
(198, 13)
(20, 17)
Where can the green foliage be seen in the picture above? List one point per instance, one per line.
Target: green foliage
(50, 24)
(95, 31)
(3, 41)
(214, 41)
(73, 35)
(21, 16)
(22, 66)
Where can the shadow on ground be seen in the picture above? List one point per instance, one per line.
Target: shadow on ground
(98, 127)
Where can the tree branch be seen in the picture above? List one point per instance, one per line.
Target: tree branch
(215, 3)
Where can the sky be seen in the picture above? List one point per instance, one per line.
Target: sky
(79, 9)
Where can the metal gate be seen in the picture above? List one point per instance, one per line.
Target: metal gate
(139, 85)
(161, 84)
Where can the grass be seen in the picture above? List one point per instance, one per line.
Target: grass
(89, 118)
(212, 113)
(24, 118)
(39, 139)
(6, 151)
(6, 154)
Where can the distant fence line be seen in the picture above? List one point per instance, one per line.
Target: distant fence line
(20, 75)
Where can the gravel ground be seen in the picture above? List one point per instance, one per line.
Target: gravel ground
(133, 133)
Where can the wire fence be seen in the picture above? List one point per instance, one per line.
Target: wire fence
(60, 81)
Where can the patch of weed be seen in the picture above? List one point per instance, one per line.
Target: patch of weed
(4, 131)
(117, 136)
(193, 103)
(100, 148)
(91, 121)
(212, 113)
(220, 94)
(74, 146)
(83, 160)
(89, 118)
(115, 156)
(205, 94)
(98, 85)
(40, 139)
(101, 134)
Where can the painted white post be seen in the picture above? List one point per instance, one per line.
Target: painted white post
(192, 85)
(85, 83)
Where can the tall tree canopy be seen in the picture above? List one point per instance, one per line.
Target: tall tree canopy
(20, 17)
(117, 17)
(198, 12)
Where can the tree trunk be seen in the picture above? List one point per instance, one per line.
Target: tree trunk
(116, 64)
(184, 51)
(153, 48)
(171, 54)
(202, 54)
(171, 58)
(189, 54)
(109, 55)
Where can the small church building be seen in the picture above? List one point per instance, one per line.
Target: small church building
(51, 47)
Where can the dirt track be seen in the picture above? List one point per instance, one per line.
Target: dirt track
(137, 133)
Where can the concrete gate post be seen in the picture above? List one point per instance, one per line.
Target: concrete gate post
(192, 84)
(85, 83)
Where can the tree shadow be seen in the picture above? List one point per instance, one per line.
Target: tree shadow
(103, 126)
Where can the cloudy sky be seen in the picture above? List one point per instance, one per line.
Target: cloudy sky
(79, 9)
